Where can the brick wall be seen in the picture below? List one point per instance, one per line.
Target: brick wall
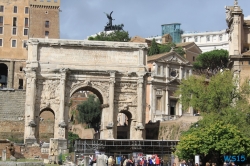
(12, 106)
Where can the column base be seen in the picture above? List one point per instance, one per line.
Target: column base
(31, 142)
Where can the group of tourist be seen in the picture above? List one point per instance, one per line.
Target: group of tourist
(142, 161)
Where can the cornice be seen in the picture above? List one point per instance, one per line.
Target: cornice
(87, 43)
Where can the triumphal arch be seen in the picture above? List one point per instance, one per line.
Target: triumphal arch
(115, 71)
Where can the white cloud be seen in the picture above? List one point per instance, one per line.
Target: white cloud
(247, 18)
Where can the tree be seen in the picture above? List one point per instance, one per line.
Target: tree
(154, 49)
(212, 95)
(225, 114)
(90, 112)
(162, 48)
(117, 35)
(211, 62)
(212, 141)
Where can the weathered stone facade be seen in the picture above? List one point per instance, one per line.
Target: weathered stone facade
(239, 42)
(115, 72)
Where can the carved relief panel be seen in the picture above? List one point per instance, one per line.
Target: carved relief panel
(48, 93)
(125, 95)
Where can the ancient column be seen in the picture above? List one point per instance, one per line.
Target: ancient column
(166, 102)
(10, 75)
(110, 125)
(180, 72)
(190, 72)
(30, 106)
(180, 107)
(153, 104)
(62, 123)
(167, 71)
(140, 113)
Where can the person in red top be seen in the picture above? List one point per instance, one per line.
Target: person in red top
(157, 161)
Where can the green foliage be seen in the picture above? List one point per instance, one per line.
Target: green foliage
(225, 110)
(211, 61)
(90, 112)
(72, 137)
(120, 36)
(154, 49)
(165, 47)
(161, 48)
(212, 95)
(213, 139)
(180, 51)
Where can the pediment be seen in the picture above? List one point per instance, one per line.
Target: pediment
(173, 58)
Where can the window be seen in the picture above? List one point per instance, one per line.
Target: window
(1, 42)
(26, 10)
(220, 37)
(55, 1)
(21, 68)
(1, 8)
(48, 0)
(25, 32)
(193, 58)
(14, 21)
(26, 22)
(195, 39)
(41, 0)
(1, 20)
(208, 38)
(15, 9)
(24, 46)
(13, 43)
(46, 24)
(1, 30)
(20, 84)
(14, 31)
(46, 33)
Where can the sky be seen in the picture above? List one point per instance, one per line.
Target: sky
(82, 18)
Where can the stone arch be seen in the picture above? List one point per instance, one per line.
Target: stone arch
(3, 75)
(123, 132)
(46, 124)
(96, 90)
(83, 87)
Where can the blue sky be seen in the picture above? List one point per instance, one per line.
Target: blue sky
(82, 18)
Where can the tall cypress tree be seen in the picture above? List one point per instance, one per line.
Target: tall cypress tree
(154, 49)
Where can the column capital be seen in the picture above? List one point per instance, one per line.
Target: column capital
(64, 70)
(112, 73)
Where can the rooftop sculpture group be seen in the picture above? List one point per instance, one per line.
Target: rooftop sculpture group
(110, 26)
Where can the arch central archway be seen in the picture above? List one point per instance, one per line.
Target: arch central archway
(78, 96)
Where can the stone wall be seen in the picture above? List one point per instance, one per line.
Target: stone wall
(12, 114)
(12, 105)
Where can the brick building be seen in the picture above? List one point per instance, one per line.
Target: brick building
(19, 21)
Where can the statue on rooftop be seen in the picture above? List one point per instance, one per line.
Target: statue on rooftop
(110, 18)
(236, 3)
(110, 26)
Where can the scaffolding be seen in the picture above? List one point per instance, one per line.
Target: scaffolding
(124, 146)
(172, 29)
